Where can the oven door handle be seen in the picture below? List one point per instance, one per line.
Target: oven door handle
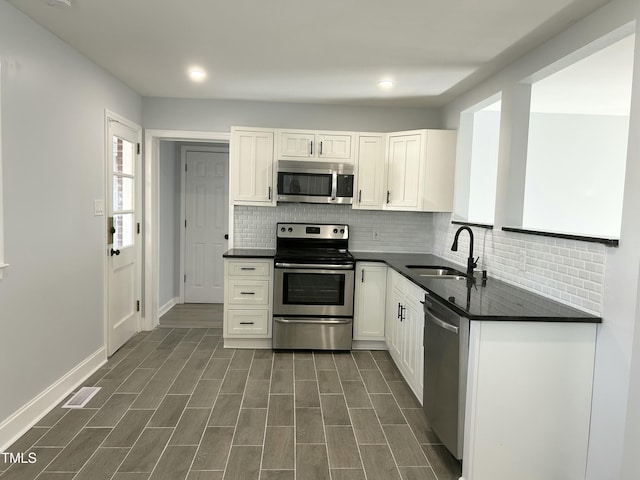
(313, 266)
(333, 321)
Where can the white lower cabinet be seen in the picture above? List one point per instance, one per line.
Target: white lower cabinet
(404, 328)
(369, 304)
(528, 409)
(248, 293)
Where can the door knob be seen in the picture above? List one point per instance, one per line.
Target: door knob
(226, 236)
(115, 252)
(112, 230)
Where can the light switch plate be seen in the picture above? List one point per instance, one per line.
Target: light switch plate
(98, 208)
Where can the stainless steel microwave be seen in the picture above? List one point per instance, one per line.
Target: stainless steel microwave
(315, 182)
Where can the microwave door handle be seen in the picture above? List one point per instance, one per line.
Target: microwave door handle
(334, 186)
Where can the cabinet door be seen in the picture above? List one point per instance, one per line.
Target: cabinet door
(403, 172)
(335, 147)
(370, 293)
(439, 170)
(413, 324)
(252, 162)
(370, 179)
(392, 325)
(297, 145)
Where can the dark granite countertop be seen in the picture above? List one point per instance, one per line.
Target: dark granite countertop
(496, 300)
(249, 253)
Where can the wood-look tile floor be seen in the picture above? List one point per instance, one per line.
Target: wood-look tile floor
(176, 405)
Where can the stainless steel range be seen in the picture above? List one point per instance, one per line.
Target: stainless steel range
(313, 287)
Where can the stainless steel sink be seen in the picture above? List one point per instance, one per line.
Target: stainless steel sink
(436, 272)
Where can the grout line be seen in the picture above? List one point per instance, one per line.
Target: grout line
(324, 427)
(266, 417)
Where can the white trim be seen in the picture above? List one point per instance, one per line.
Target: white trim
(22, 420)
(151, 280)
(369, 345)
(2, 264)
(168, 306)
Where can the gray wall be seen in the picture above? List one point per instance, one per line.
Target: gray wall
(220, 115)
(170, 186)
(53, 153)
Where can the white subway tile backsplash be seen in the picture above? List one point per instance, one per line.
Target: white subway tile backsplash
(569, 271)
(255, 227)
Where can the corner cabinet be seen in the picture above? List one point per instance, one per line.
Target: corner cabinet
(369, 305)
(252, 162)
(404, 326)
(248, 293)
(420, 170)
(315, 145)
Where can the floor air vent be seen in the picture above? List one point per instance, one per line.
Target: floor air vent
(82, 397)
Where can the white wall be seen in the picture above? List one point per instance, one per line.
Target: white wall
(220, 115)
(53, 151)
(575, 173)
(616, 392)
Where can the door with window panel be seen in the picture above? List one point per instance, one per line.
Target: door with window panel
(123, 248)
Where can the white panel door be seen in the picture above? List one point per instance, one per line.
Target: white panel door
(297, 145)
(206, 214)
(124, 280)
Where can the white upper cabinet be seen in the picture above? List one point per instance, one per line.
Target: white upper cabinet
(252, 164)
(318, 145)
(420, 170)
(369, 185)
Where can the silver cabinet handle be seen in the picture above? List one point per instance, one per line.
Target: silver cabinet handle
(324, 321)
(269, 193)
(399, 309)
(312, 148)
(388, 194)
(403, 309)
(247, 293)
(362, 276)
(246, 323)
(248, 268)
(320, 152)
(359, 196)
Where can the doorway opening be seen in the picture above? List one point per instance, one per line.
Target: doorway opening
(187, 186)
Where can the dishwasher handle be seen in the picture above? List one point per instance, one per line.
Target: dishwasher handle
(440, 323)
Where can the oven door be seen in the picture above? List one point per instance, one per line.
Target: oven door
(313, 291)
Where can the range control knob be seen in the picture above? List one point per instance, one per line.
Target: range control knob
(290, 229)
(282, 229)
(335, 230)
(342, 230)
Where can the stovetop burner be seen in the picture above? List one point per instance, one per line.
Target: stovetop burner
(313, 243)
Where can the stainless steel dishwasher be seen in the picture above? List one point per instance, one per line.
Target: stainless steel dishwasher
(446, 350)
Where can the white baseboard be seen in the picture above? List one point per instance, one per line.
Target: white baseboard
(17, 424)
(168, 306)
(368, 345)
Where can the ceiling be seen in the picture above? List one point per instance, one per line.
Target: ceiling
(329, 51)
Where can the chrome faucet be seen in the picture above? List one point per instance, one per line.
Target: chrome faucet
(471, 263)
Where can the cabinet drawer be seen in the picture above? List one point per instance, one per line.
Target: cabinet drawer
(249, 269)
(247, 322)
(248, 292)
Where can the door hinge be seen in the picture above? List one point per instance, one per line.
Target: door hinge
(137, 305)
(138, 149)
(138, 227)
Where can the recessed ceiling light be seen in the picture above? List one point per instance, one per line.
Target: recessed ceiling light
(197, 74)
(385, 83)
